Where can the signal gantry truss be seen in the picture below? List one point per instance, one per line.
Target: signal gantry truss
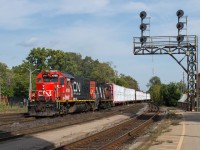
(159, 45)
(184, 44)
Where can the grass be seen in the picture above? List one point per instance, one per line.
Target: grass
(171, 119)
(152, 139)
(157, 142)
(175, 118)
(14, 109)
(166, 130)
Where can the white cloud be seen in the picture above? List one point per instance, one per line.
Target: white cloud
(92, 40)
(81, 6)
(97, 28)
(133, 7)
(31, 42)
(16, 14)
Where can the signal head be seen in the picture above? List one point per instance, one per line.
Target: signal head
(143, 26)
(180, 38)
(143, 14)
(143, 39)
(180, 25)
(180, 13)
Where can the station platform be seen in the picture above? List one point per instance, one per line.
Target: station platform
(183, 136)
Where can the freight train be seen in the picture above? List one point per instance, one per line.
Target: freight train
(60, 93)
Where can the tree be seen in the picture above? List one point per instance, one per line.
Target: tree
(73, 63)
(154, 81)
(56, 59)
(38, 57)
(6, 80)
(101, 72)
(155, 91)
(87, 66)
(22, 77)
(15, 82)
(171, 94)
(128, 82)
(182, 87)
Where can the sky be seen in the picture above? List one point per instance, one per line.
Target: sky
(101, 29)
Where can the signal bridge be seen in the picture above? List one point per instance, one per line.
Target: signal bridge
(187, 45)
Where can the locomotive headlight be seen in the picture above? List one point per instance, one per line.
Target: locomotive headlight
(42, 87)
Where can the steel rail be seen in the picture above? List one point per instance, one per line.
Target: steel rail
(66, 122)
(129, 135)
(112, 137)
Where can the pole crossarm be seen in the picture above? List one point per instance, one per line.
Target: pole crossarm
(159, 45)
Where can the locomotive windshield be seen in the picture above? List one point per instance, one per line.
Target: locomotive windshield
(50, 79)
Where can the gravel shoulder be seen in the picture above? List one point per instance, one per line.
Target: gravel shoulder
(65, 135)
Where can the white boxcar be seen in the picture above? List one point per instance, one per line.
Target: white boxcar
(122, 94)
(118, 93)
(129, 94)
(148, 96)
(139, 95)
(144, 96)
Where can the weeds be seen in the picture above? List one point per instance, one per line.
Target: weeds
(169, 141)
(167, 130)
(171, 119)
(7, 108)
(175, 122)
(157, 142)
(153, 136)
(174, 116)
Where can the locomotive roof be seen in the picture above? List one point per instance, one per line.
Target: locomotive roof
(68, 75)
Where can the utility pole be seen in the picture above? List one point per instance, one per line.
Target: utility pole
(0, 92)
(115, 73)
(30, 79)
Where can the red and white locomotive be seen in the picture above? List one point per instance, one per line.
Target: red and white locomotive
(61, 93)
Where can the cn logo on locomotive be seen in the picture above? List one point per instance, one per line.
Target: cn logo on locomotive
(76, 87)
(47, 93)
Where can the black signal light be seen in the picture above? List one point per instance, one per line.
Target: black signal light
(180, 25)
(143, 26)
(180, 13)
(143, 15)
(143, 39)
(180, 38)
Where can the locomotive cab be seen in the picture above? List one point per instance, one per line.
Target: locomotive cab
(52, 88)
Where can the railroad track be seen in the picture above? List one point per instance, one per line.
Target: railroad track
(69, 120)
(11, 115)
(8, 119)
(114, 137)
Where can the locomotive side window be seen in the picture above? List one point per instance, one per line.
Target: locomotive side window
(62, 81)
(39, 79)
(54, 80)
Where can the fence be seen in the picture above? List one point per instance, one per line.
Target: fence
(4, 99)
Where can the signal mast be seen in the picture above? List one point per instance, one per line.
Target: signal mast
(182, 44)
